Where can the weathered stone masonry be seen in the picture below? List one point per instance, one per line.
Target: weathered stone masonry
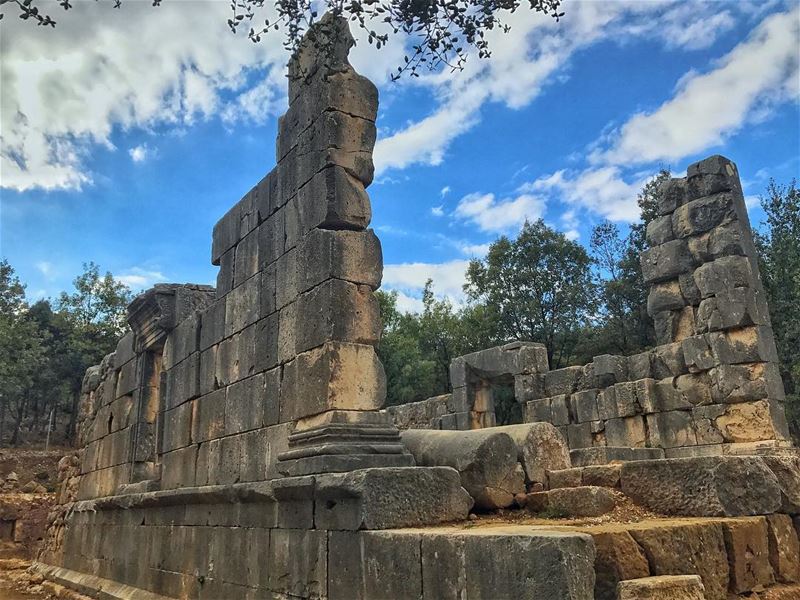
(233, 447)
(710, 387)
(233, 442)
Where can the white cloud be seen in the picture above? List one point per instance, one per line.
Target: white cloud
(710, 107)
(602, 190)
(705, 110)
(502, 215)
(409, 278)
(437, 211)
(45, 268)
(138, 278)
(140, 153)
(476, 250)
(69, 88)
(445, 191)
(535, 53)
(409, 304)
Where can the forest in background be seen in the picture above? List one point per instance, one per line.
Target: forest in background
(539, 286)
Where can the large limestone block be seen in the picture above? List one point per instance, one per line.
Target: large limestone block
(784, 549)
(628, 432)
(704, 486)
(336, 310)
(298, 561)
(712, 175)
(353, 256)
(665, 296)
(748, 554)
(333, 199)
(672, 194)
(703, 214)
(561, 381)
(336, 375)
(507, 562)
(748, 422)
(687, 549)
(731, 309)
(486, 461)
(671, 429)
(723, 275)
(667, 261)
(385, 498)
(540, 448)
(664, 587)
(745, 382)
(787, 471)
(581, 501)
(375, 564)
(617, 557)
(745, 345)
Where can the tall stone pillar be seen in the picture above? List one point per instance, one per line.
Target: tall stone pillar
(709, 307)
(326, 314)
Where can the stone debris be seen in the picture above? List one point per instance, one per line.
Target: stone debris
(540, 448)
(707, 486)
(575, 502)
(485, 459)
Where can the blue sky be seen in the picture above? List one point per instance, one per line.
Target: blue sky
(127, 134)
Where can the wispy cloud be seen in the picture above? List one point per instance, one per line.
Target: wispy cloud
(140, 153)
(409, 278)
(45, 268)
(536, 53)
(744, 85)
(138, 278)
(493, 215)
(708, 108)
(437, 211)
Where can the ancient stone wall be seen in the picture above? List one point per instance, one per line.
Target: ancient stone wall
(712, 385)
(125, 400)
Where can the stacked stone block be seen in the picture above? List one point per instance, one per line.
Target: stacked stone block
(473, 375)
(712, 385)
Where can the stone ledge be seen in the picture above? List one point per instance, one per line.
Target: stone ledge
(355, 500)
(93, 586)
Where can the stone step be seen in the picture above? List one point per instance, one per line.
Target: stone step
(601, 455)
(583, 501)
(662, 587)
(599, 475)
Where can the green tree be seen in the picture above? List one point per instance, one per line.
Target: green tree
(441, 33)
(410, 375)
(778, 243)
(22, 352)
(624, 327)
(416, 348)
(94, 318)
(539, 287)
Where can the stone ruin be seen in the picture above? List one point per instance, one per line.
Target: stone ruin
(234, 446)
(711, 387)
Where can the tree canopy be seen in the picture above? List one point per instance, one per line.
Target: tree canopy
(779, 251)
(539, 287)
(46, 347)
(441, 32)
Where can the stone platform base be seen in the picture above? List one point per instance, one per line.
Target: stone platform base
(92, 586)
